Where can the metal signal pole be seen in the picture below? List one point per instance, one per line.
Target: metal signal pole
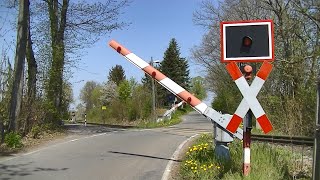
(247, 126)
(154, 113)
(153, 96)
(316, 148)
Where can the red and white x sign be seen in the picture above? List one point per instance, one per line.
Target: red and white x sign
(249, 94)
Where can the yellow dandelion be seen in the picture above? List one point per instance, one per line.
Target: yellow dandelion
(185, 164)
(187, 153)
(192, 167)
(204, 169)
(191, 150)
(200, 149)
(218, 167)
(195, 168)
(195, 171)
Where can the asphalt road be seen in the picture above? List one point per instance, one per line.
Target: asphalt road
(95, 152)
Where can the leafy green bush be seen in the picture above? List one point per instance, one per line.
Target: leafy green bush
(13, 140)
(35, 131)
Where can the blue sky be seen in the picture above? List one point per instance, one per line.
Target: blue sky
(153, 25)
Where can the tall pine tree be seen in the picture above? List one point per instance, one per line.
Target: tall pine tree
(116, 74)
(176, 68)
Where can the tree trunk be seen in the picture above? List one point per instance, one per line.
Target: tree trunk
(32, 78)
(1, 131)
(16, 94)
(32, 66)
(58, 54)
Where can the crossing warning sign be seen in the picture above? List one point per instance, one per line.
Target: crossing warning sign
(248, 41)
(249, 94)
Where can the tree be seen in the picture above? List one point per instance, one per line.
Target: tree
(67, 98)
(108, 92)
(82, 22)
(124, 91)
(86, 94)
(116, 74)
(288, 95)
(32, 69)
(6, 77)
(175, 67)
(16, 93)
(198, 87)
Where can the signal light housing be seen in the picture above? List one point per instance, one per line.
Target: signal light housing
(247, 41)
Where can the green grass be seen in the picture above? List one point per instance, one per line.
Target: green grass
(176, 119)
(267, 162)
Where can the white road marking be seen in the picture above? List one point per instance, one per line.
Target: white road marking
(167, 171)
(55, 145)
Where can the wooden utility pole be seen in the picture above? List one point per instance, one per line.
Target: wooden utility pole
(316, 148)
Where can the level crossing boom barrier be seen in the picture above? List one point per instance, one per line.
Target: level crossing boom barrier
(221, 120)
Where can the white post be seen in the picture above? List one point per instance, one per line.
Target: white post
(85, 119)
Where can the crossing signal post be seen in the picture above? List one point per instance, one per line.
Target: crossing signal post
(247, 126)
(247, 42)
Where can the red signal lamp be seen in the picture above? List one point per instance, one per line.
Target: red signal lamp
(247, 41)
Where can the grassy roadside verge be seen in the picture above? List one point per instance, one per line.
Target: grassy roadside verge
(267, 162)
(175, 119)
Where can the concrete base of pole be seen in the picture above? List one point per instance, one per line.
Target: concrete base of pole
(222, 151)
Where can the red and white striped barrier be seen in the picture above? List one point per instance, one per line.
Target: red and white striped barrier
(161, 78)
(202, 108)
(249, 94)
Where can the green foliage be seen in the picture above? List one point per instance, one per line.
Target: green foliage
(108, 93)
(198, 87)
(227, 97)
(86, 94)
(127, 102)
(175, 119)
(288, 96)
(124, 91)
(116, 74)
(67, 99)
(267, 162)
(176, 68)
(13, 140)
(35, 131)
